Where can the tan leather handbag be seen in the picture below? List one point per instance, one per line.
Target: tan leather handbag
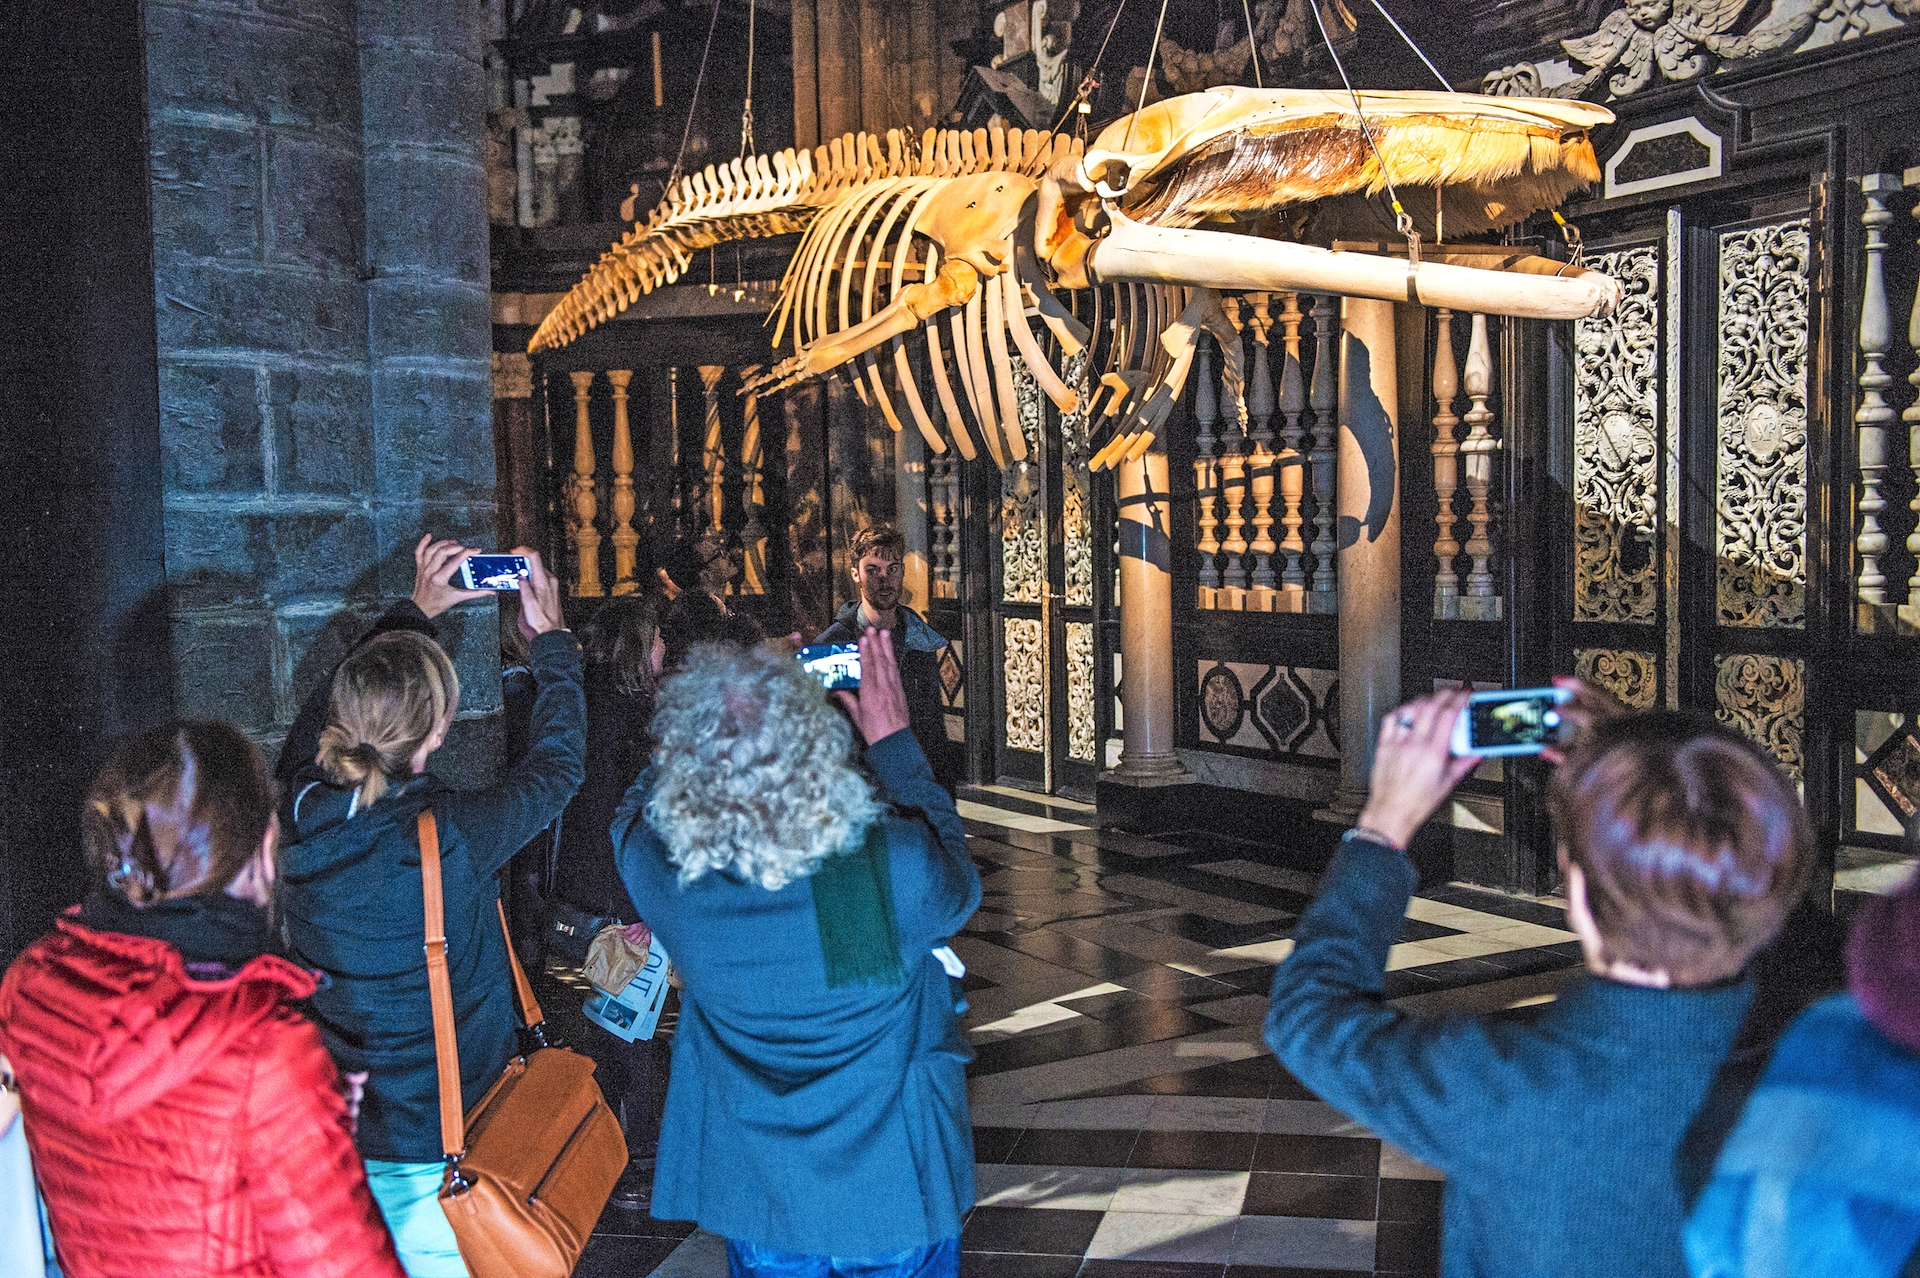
(531, 1166)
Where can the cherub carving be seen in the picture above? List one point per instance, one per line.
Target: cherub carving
(1667, 36)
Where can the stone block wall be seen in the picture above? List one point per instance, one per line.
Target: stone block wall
(320, 275)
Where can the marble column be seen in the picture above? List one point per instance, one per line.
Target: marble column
(1146, 625)
(1368, 528)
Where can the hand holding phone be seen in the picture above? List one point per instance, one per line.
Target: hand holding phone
(835, 665)
(492, 572)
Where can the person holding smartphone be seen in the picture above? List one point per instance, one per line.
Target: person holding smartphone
(1683, 849)
(352, 895)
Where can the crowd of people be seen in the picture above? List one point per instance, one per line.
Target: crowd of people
(224, 1058)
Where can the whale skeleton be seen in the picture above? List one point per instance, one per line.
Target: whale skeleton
(1227, 190)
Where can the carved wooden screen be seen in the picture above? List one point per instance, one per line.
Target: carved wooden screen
(1689, 542)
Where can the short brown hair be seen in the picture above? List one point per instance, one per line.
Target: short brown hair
(1693, 845)
(877, 539)
(178, 810)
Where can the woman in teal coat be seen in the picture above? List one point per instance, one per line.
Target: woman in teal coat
(817, 1113)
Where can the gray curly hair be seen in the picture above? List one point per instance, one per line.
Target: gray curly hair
(753, 769)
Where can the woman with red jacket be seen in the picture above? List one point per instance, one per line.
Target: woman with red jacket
(184, 1118)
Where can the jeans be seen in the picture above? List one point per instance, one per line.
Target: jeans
(935, 1260)
(409, 1198)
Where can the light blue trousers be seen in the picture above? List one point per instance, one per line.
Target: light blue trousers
(409, 1197)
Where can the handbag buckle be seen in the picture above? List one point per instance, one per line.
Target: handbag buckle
(456, 1183)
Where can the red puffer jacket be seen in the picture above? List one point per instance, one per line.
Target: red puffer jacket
(184, 1127)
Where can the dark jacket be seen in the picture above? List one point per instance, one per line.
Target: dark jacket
(184, 1117)
(916, 649)
(801, 1117)
(619, 743)
(1557, 1137)
(352, 904)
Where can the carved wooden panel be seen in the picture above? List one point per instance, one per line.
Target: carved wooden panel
(1023, 515)
(1761, 526)
(1616, 463)
(1765, 697)
(1080, 742)
(1630, 675)
(1024, 658)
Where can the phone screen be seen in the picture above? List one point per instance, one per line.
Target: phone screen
(493, 572)
(835, 665)
(1527, 720)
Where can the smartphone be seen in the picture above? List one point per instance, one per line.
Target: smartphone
(1510, 721)
(491, 572)
(835, 665)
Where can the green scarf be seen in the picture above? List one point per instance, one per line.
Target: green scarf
(853, 904)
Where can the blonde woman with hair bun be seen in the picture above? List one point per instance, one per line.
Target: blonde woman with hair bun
(350, 874)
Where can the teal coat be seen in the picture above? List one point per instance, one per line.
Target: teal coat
(803, 1118)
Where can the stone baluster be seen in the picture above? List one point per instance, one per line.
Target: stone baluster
(1480, 603)
(1289, 464)
(669, 456)
(581, 502)
(1323, 595)
(753, 578)
(1446, 468)
(1912, 418)
(626, 542)
(1206, 474)
(1260, 407)
(1874, 414)
(713, 455)
(1233, 496)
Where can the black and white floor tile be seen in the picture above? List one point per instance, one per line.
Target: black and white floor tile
(1129, 1120)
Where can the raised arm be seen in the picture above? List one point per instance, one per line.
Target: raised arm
(499, 819)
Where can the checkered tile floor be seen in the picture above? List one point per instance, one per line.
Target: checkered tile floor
(1129, 1121)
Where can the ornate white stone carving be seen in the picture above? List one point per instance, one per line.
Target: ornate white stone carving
(1616, 479)
(1646, 42)
(1024, 658)
(1764, 697)
(1761, 533)
(1023, 525)
(1080, 743)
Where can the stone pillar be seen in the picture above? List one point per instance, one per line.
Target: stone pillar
(320, 249)
(1146, 625)
(1368, 504)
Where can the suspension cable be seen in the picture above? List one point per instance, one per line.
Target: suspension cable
(1403, 223)
(673, 177)
(746, 112)
(1253, 43)
(1417, 51)
(1147, 82)
(1087, 82)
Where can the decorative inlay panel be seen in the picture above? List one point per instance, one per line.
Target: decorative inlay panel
(1025, 661)
(1616, 461)
(1080, 743)
(1023, 528)
(1761, 533)
(1277, 710)
(1629, 675)
(1764, 697)
(1077, 492)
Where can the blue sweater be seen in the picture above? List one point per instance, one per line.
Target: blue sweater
(1557, 1137)
(799, 1117)
(1821, 1178)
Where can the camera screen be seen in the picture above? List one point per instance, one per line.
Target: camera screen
(1515, 721)
(835, 665)
(493, 572)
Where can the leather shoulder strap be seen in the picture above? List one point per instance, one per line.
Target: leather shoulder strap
(530, 1012)
(446, 1043)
